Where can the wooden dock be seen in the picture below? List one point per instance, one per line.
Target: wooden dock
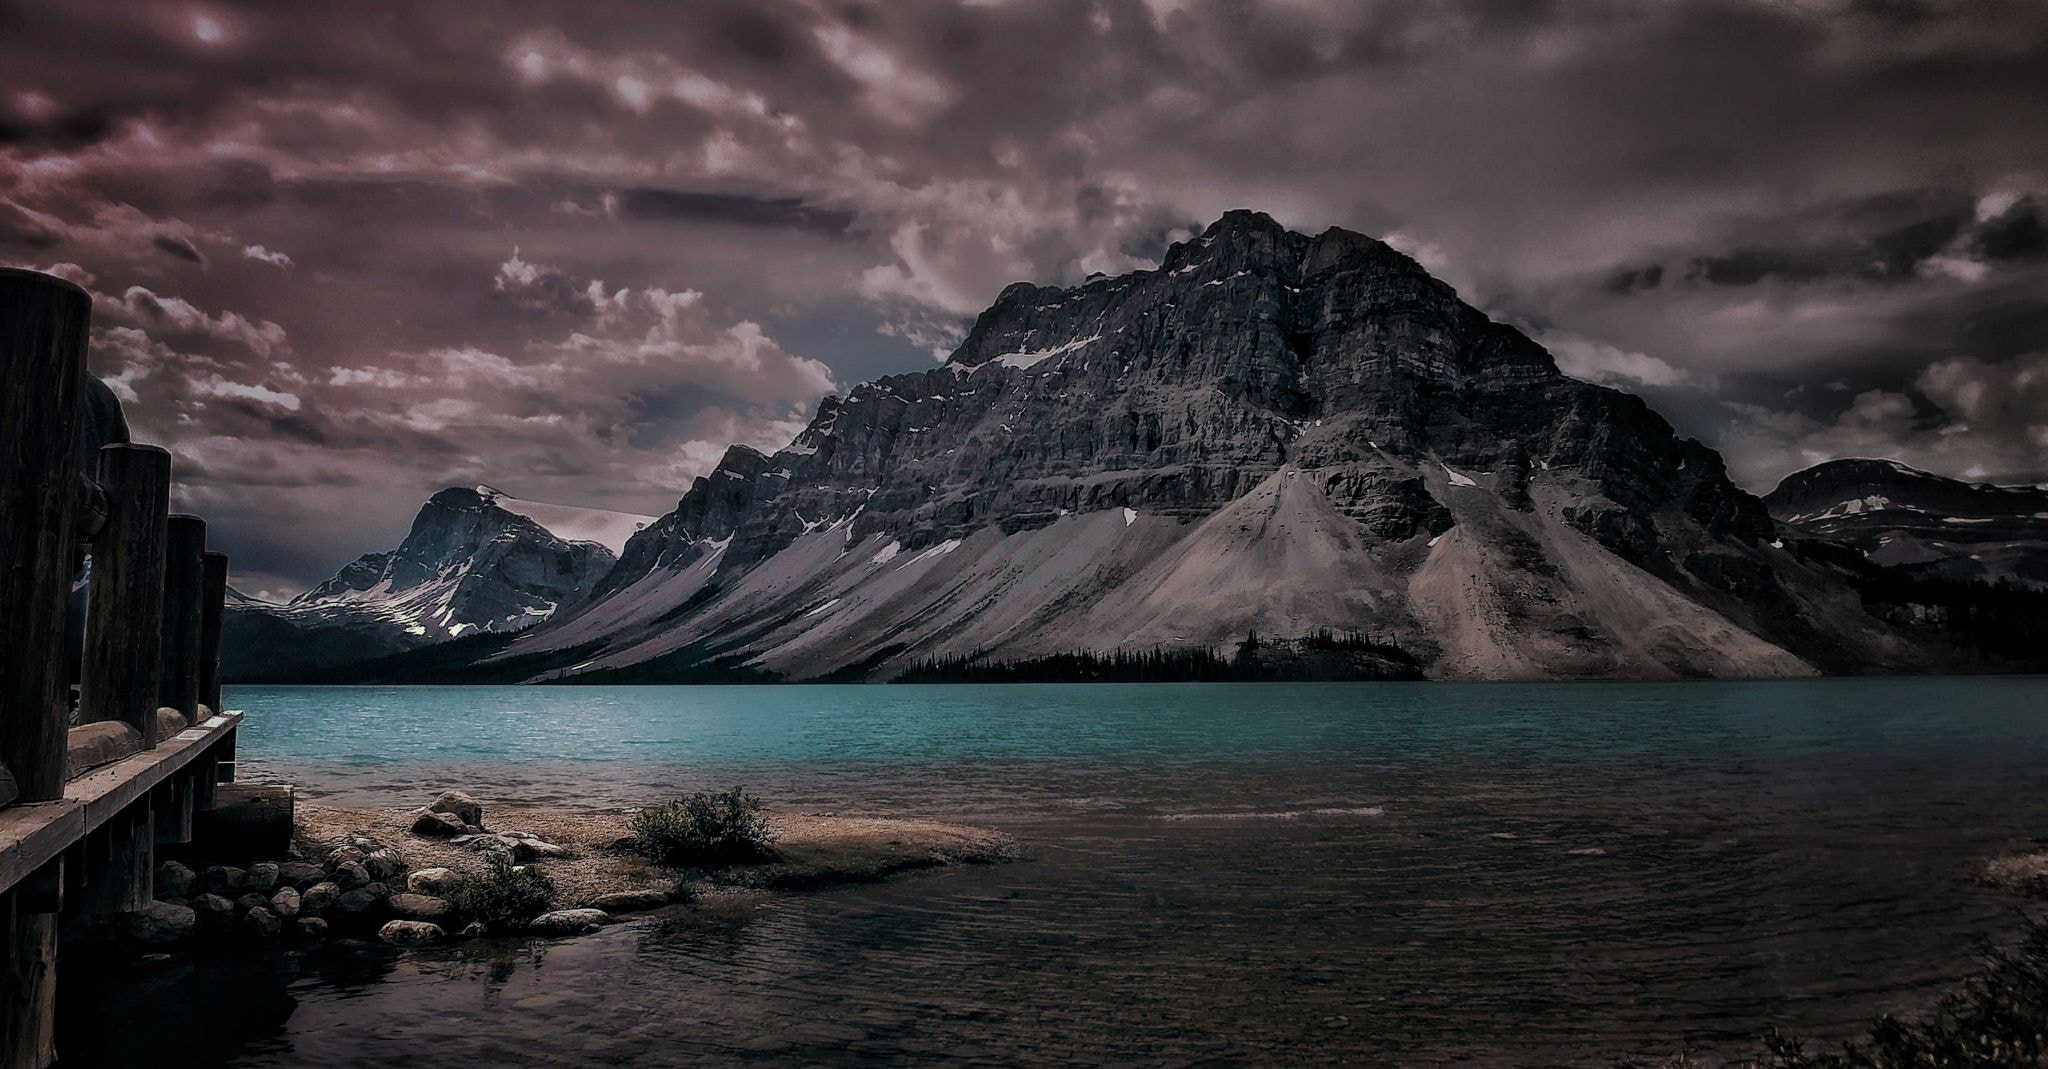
(86, 798)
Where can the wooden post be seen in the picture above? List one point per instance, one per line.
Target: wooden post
(28, 986)
(121, 870)
(124, 612)
(184, 577)
(43, 323)
(213, 595)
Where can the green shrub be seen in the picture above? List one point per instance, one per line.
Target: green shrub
(504, 895)
(704, 829)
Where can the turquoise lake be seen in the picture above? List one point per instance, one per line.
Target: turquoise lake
(1257, 874)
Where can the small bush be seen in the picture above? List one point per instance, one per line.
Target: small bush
(704, 829)
(505, 895)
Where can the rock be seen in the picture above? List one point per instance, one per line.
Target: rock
(344, 856)
(174, 880)
(260, 878)
(460, 806)
(419, 907)
(351, 876)
(384, 863)
(251, 901)
(161, 923)
(411, 933)
(439, 882)
(363, 903)
(221, 880)
(437, 825)
(309, 928)
(631, 901)
(300, 874)
(319, 898)
(474, 929)
(285, 903)
(514, 848)
(213, 912)
(537, 849)
(260, 923)
(569, 922)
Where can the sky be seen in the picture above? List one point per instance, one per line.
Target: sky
(343, 255)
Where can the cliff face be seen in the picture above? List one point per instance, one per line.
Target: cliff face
(1271, 432)
(470, 564)
(1925, 523)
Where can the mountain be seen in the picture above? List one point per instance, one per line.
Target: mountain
(475, 561)
(1933, 525)
(1271, 435)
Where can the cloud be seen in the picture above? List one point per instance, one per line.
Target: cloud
(263, 255)
(1594, 361)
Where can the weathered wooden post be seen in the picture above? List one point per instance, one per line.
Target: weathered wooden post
(212, 603)
(43, 323)
(184, 579)
(124, 614)
(42, 363)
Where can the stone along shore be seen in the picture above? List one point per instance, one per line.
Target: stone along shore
(414, 877)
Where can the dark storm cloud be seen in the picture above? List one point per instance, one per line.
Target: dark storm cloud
(347, 254)
(731, 209)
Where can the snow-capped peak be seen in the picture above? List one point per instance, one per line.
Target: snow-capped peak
(569, 522)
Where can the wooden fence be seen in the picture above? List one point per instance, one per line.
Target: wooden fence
(85, 799)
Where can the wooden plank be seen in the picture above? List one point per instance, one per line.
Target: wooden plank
(184, 581)
(32, 835)
(124, 616)
(43, 323)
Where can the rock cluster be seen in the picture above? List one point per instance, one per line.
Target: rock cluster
(358, 887)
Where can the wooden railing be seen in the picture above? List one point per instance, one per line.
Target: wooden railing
(83, 806)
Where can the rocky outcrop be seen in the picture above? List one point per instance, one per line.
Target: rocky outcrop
(1271, 433)
(1927, 524)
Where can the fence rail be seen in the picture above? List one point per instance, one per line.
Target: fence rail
(85, 803)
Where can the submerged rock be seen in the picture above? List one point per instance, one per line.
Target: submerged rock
(569, 922)
(631, 901)
(161, 923)
(309, 928)
(411, 933)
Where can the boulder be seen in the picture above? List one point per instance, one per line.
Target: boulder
(411, 933)
(460, 806)
(300, 874)
(438, 882)
(309, 928)
(161, 923)
(285, 903)
(569, 922)
(248, 902)
(174, 880)
(363, 903)
(223, 880)
(351, 876)
(631, 901)
(384, 863)
(319, 898)
(419, 907)
(260, 923)
(213, 913)
(437, 825)
(260, 878)
(343, 856)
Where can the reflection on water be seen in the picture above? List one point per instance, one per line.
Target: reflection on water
(1306, 876)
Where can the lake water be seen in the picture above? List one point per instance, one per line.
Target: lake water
(1364, 874)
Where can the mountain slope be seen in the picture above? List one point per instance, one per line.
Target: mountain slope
(474, 561)
(1271, 432)
(1899, 516)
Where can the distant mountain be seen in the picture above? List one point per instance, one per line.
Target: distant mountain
(1933, 525)
(1270, 435)
(475, 561)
